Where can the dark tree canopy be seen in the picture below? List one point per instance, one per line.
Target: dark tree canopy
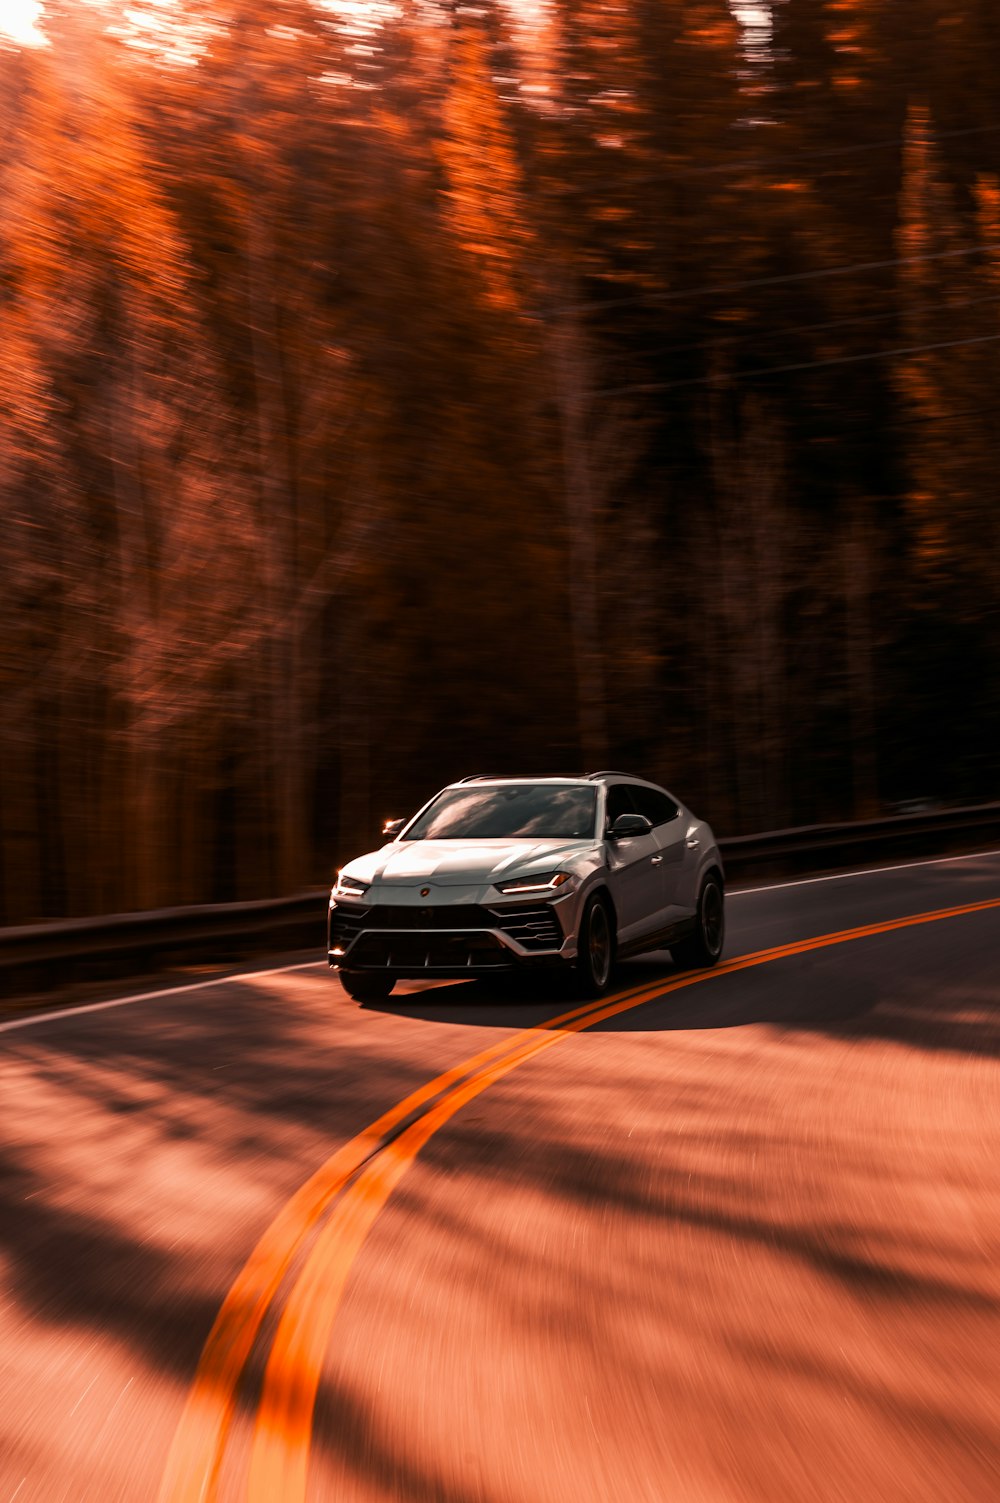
(389, 396)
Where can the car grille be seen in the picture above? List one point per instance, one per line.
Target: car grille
(533, 928)
(405, 916)
(430, 951)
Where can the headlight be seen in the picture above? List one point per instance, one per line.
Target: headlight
(543, 882)
(348, 887)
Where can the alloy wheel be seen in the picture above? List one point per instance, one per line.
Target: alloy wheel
(713, 920)
(599, 945)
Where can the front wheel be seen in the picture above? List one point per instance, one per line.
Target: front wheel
(704, 946)
(367, 986)
(595, 950)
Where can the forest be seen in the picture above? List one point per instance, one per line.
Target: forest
(392, 392)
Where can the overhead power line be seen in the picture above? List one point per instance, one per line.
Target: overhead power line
(755, 164)
(801, 365)
(786, 332)
(722, 289)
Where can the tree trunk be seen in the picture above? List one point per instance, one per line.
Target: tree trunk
(856, 548)
(583, 508)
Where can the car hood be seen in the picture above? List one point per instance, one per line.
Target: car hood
(462, 863)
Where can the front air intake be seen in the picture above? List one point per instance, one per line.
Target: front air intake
(534, 928)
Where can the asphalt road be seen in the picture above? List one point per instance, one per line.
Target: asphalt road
(734, 1237)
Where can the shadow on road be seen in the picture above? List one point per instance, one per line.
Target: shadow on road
(905, 986)
(143, 1152)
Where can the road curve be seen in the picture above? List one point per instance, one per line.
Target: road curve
(735, 1239)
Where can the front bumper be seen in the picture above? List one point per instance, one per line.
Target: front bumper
(412, 941)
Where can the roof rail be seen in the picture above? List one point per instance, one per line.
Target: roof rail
(511, 777)
(610, 772)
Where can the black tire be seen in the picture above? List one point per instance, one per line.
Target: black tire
(596, 949)
(367, 986)
(704, 946)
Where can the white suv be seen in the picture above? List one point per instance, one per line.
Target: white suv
(500, 874)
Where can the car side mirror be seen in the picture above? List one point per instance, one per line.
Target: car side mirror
(628, 826)
(392, 827)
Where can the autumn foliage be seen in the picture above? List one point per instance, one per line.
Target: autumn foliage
(391, 393)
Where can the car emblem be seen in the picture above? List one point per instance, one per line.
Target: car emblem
(425, 892)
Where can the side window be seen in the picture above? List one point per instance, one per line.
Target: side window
(657, 807)
(619, 802)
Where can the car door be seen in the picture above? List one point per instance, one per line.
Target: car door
(669, 831)
(633, 871)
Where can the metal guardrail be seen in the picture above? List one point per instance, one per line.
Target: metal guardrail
(216, 930)
(815, 848)
(51, 953)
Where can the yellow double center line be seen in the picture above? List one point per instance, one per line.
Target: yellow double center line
(363, 1174)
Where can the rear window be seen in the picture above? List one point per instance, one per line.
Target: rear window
(543, 810)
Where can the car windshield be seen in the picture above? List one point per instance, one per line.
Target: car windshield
(545, 810)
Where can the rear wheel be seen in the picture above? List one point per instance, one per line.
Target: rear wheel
(596, 949)
(704, 946)
(367, 986)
